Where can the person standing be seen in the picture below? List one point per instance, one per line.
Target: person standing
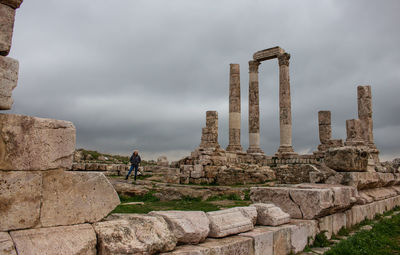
(135, 161)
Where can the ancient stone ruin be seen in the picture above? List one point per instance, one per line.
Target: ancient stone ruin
(48, 205)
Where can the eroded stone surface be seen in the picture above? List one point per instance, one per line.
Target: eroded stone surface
(6, 244)
(189, 227)
(76, 197)
(134, 234)
(235, 245)
(68, 240)
(347, 159)
(228, 222)
(7, 17)
(30, 143)
(263, 239)
(8, 79)
(189, 250)
(270, 215)
(20, 194)
(249, 212)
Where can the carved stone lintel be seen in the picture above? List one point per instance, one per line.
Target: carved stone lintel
(253, 66)
(283, 59)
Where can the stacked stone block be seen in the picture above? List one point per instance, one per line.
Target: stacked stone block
(325, 132)
(209, 136)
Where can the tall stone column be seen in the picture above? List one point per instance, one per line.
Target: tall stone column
(285, 112)
(234, 108)
(324, 125)
(364, 98)
(254, 109)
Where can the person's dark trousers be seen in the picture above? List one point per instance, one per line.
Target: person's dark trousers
(130, 171)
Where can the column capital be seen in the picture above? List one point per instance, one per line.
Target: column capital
(253, 66)
(283, 59)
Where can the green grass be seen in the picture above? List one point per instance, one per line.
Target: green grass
(384, 238)
(152, 203)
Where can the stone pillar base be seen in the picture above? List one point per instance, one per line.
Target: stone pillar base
(255, 150)
(285, 150)
(234, 148)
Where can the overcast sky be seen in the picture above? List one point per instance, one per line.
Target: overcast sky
(142, 73)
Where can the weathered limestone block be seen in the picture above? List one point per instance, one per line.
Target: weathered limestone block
(133, 234)
(20, 194)
(355, 135)
(7, 17)
(311, 226)
(197, 171)
(263, 239)
(338, 222)
(249, 212)
(15, 4)
(189, 227)
(312, 202)
(325, 225)
(162, 161)
(6, 244)
(189, 250)
(228, 222)
(379, 193)
(235, 245)
(30, 143)
(270, 215)
(347, 159)
(8, 79)
(281, 241)
(268, 53)
(361, 180)
(278, 196)
(68, 240)
(76, 197)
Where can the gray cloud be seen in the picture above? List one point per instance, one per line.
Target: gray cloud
(143, 73)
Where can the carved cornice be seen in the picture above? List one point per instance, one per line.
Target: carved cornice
(253, 66)
(284, 59)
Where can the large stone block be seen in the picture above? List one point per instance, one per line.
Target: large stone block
(282, 241)
(29, 143)
(270, 215)
(189, 250)
(263, 239)
(134, 234)
(20, 195)
(12, 3)
(6, 244)
(76, 197)
(361, 180)
(347, 159)
(68, 240)
(249, 212)
(8, 80)
(189, 227)
(228, 222)
(7, 17)
(235, 245)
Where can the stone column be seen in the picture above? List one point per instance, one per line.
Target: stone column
(354, 133)
(324, 125)
(209, 136)
(234, 108)
(364, 97)
(285, 112)
(254, 109)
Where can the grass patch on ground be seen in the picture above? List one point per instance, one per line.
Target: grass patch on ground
(152, 203)
(382, 239)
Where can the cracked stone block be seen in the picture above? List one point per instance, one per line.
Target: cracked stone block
(263, 240)
(20, 195)
(189, 227)
(228, 222)
(6, 244)
(270, 215)
(7, 18)
(76, 197)
(30, 143)
(235, 245)
(8, 79)
(133, 234)
(65, 240)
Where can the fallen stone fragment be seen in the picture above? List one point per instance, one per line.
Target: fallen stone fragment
(30, 143)
(7, 17)
(189, 227)
(6, 244)
(76, 197)
(249, 212)
(270, 215)
(20, 195)
(234, 245)
(228, 222)
(134, 234)
(12, 3)
(347, 159)
(65, 240)
(263, 239)
(8, 78)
